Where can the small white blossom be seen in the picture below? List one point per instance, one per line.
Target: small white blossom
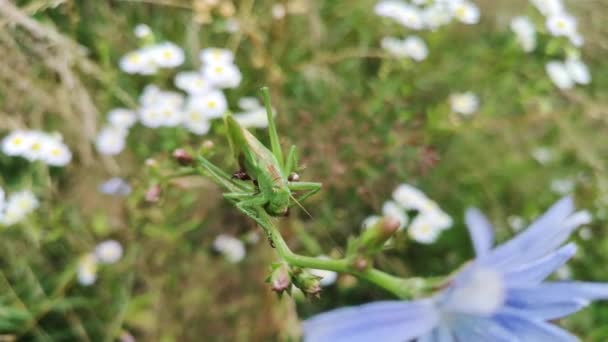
(578, 71)
(423, 230)
(559, 75)
(142, 31)
(56, 153)
(585, 233)
(406, 15)
(464, 103)
(525, 32)
(436, 15)
(413, 47)
(87, 269)
(171, 115)
(211, 105)
(195, 121)
(138, 62)
(122, 118)
(410, 197)
(278, 11)
(561, 24)
(215, 56)
(466, 12)
(108, 252)
(232, 248)
(548, 7)
(249, 103)
(18, 206)
(222, 75)
(516, 222)
(16, 143)
(166, 55)
(192, 82)
(110, 140)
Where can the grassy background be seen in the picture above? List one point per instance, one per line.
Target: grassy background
(363, 122)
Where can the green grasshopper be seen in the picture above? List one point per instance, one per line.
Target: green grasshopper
(275, 180)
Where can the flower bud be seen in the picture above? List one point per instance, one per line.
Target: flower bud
(307, 282)
(361, 263)
(280, 279)
(153, 194)
(373, 239)
(182, 157)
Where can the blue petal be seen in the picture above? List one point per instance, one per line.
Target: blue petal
(543, 309)
(381, 321)
(482, 234)
(527, 329)
(478, 329)
(439, 334)
(537, 271)
(544, 235)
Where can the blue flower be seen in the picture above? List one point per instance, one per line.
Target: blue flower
(499, 296)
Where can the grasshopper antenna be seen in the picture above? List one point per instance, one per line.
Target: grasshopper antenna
(300, 205)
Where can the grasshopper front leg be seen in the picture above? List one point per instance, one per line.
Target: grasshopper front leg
(247, 203)
(311, 188)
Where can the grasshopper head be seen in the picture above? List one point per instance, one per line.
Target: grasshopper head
(279, 201)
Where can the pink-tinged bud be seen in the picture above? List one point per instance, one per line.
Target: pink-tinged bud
(153, 194)
(361, 263)
(207, 145)
(374, 238)
(183, 157)
(307, 282)
(280, 279)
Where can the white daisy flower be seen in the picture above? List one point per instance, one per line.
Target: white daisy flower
(108, 252)
(211, 105)
(232, 248)
(56, 153)
(392, 209)
(526, 33)
(142, 31)
(222, 75)
(559, 75)
(410, 197)
(87, 269)
(561, 24)
(166, 55)
(16, 143)
(18, 206)
(38, 142)
(543, 155)
(192, 82)
(548, 7)
(110, 140)
(466, 12)
(416, 48)
(578, 71)
(195, 121)
(423, 230)
(327, 277)
(216, 56)
(122, 118)
(138, 62)
(406, 15)
(256, 118)
(435, 16)
(465, 103)
(171, 116)
(149, 95)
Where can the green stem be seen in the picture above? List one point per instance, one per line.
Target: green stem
(402, 288)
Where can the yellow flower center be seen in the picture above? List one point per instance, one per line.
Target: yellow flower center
(211, 104)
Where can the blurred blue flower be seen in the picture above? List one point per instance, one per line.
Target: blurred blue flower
(499, 296)
(115, 186)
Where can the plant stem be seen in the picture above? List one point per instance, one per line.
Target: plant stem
(402, 288)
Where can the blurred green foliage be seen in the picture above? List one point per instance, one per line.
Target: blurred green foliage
(364, 123)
